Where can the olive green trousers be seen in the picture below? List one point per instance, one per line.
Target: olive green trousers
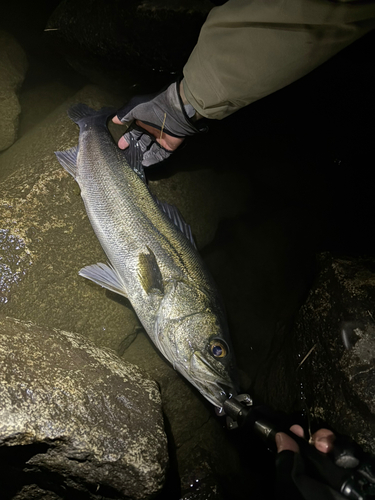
(248, 49)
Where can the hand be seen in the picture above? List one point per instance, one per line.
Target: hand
(321, 439)
(162, 122)
(293, 474)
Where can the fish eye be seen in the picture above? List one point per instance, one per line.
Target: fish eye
(218, 348)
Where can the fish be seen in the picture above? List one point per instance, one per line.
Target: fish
(152, 258)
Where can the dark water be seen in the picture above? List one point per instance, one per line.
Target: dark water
(306, 154)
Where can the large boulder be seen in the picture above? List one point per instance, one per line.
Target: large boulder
(326, 368)
(77, 418)
(336, 326)
(46, 238)
(13, 66)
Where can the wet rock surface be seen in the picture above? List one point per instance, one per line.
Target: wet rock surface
(13, 66)
(337, 322)
(44, 226)
(82, 420)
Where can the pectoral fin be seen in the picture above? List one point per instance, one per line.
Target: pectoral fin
(105, 276)
(149, 273)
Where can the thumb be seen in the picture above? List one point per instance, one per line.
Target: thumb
(126, 112)
(285, 442)
(116, 120)
(122, 118)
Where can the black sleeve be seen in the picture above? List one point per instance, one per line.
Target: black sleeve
(294, 483)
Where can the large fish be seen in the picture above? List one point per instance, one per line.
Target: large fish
(152, 258)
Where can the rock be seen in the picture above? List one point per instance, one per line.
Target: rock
(199, 481)
(336, 329)
(83, 420)
(200, 439)
(13, 66)
(46, 238)
(118, 38)
(33, 492)
(38, 102)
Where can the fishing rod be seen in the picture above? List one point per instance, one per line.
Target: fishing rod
(347, 469)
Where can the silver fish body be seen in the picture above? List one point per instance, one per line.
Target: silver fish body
(152, 259)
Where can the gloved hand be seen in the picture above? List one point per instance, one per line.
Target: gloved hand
(162, 123)
(293, 481)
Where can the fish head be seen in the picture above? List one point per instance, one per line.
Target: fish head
(199, 347)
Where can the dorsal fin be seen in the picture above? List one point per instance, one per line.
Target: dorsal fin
(134, 157)
(174, 215)
(80, 111)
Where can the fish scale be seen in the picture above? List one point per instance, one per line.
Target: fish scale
(152, 259)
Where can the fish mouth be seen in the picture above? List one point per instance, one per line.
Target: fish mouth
(202, 375)
(210, 382)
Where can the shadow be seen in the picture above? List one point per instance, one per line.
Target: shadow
(17, 475)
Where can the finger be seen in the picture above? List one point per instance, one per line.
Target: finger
(297, 430)
(116, 120)
(125, 113)
(138, 135)
(154, 155)
(152, 152)
(323, 440)
(165, 140)
(285, 442)
(123, 143)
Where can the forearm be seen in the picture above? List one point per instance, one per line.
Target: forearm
(248, 50)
